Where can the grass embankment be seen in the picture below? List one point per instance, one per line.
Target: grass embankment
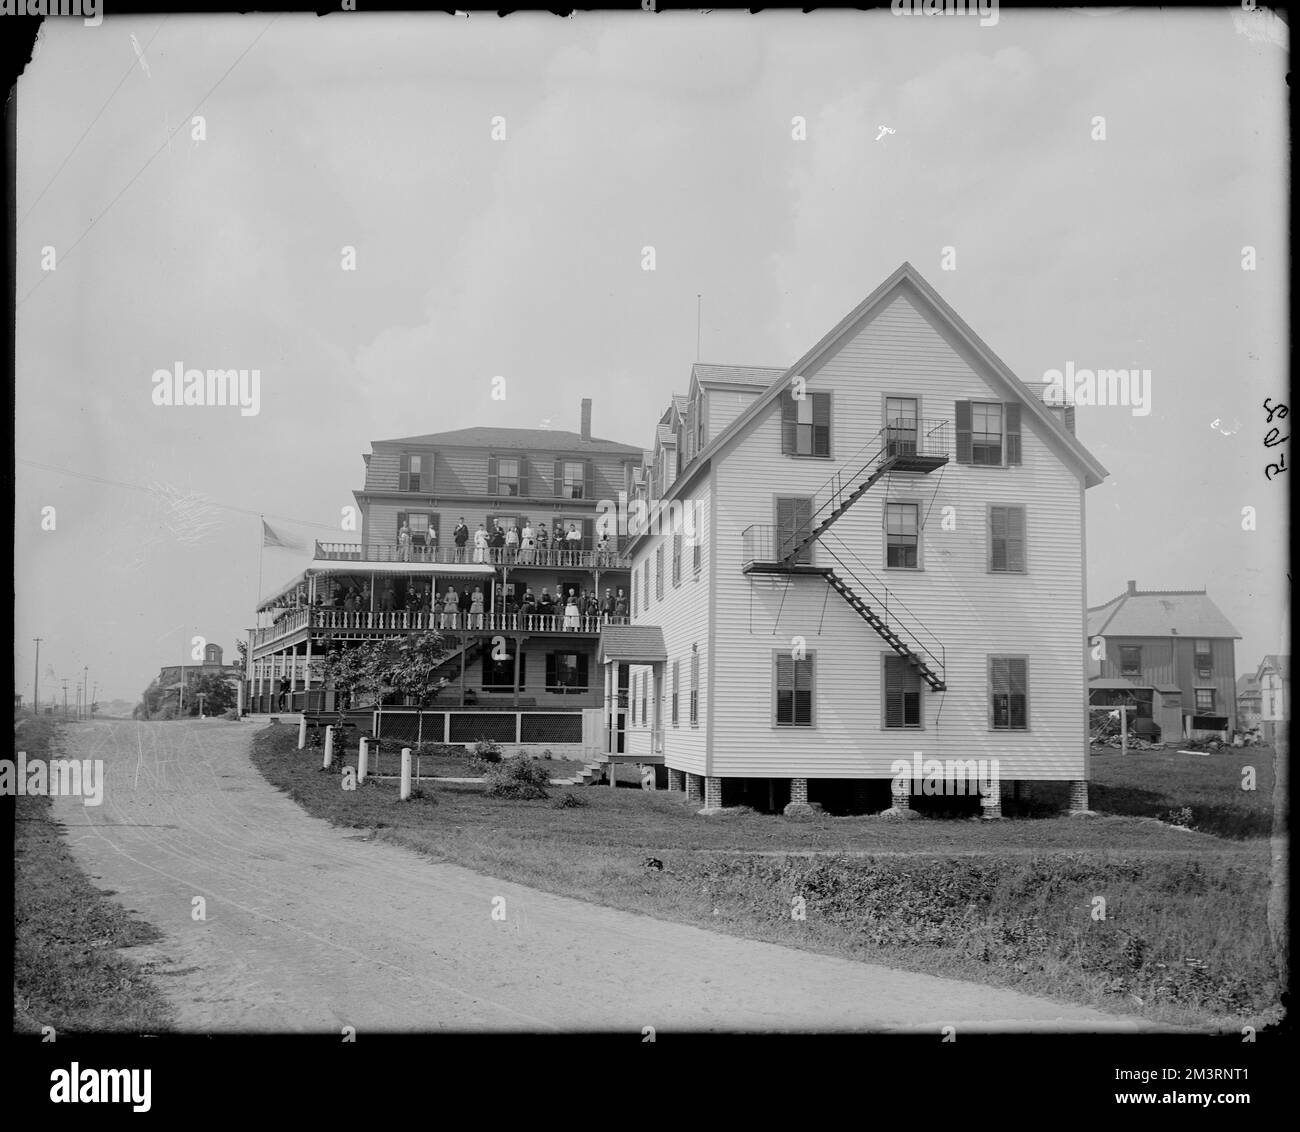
(1010, 903)
(67, 972)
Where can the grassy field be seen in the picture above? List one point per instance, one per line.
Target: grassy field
(67, 972)
(1011, 903)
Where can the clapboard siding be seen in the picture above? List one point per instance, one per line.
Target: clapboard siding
(724, 406)
(464, 471)
(683, 615)
(974, 613)
(1172, 661)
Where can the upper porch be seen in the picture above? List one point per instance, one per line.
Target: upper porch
(513, 557)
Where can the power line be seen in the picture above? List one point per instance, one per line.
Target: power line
(154, 492)
(126, 75)
(166, 143)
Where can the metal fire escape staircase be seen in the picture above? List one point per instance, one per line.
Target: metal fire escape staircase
(905, 446)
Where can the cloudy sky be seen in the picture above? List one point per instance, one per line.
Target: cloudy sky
(522, 257)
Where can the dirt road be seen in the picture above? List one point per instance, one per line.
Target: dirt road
(310, 928)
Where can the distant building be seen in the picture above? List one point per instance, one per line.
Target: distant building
(1173, 653)
(1274, 677)
(169, 676)
(1248, 701)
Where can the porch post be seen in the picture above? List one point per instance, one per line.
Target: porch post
(464, 646)
(306, 671)
(519, 647)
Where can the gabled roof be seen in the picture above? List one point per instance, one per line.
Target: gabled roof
(1160, 613)
(778, 379)
(665, 435)
(632, 644)
(1248, 685)
(758, 376)
(544, 439)
(681, 403)
(1278, 662)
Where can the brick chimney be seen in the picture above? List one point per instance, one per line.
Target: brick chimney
(586, 418)
(1132, 587)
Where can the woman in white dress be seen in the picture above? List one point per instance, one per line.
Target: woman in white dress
(571, 616)
(480, 544)
(527, 544)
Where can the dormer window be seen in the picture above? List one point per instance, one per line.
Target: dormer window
(411, 473)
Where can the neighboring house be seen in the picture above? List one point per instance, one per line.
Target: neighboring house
(1274, 676)
(384, 586)
(886, 557)
(170, 675)
(1248, 702)
(1176, 649)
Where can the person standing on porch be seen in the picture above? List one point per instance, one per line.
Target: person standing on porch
(607, 606)
(602, 549)
(480, 544)
(512, 543)
(404, 544)
(431, 544)
(497, 542)
(460, 536)
(285, 688)
(543, 547)
(528, 543)
(573, 543)
(620, 605)
(450, 608)
(572, 619)
(476, 609)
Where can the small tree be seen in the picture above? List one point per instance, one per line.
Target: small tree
(380, 667)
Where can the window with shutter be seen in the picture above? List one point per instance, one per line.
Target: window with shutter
(902, 694)
(645, 695)
(492, 475)
(793, 520)
(789, 422)
(522, 480)
(589, 480)
(1009, 693)
(645, 584)
(404, 472)
(697, 556)
(507, 475)
(1130, 660)
(1205, 699)
(1204, 662)
(900, 426)
(794, 690)
(806, 424)
(1007, 540)
(659, 571)
(677, 560)
(633, 605)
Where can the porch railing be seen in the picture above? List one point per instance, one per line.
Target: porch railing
(588, 559)
(422, 620)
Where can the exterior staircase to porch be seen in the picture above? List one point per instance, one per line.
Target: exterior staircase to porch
(590, 775)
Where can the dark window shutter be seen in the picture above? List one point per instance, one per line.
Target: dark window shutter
(404, 472)
(550, 670)
(589, 481)
(1013, 432)
(997, 538)
(492, 475)
(821, 415)
(633, 605)
(1015, 538)
(523, 476)
(963, 432)
(582, 669)
(1069, 419)
(789, 418)
(559, 479)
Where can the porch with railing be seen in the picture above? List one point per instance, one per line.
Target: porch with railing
(589, 559)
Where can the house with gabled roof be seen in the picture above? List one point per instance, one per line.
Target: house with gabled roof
(1177, 648)
(1274, 679)
(875, 552)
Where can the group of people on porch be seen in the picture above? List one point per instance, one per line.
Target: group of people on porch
(513, 544)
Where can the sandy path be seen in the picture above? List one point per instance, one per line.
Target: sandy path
(309, 928)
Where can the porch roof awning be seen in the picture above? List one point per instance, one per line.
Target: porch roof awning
(1169, 689)
(632, 644)
(352, 569)
(1115, 682)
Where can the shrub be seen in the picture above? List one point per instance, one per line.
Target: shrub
(230, 714)
(546, 754)
(517, 777)
(487, 751)
(570, 801)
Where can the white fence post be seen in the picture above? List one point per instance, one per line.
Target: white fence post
(328, 761)
(361, 760)
(302, 732)
(406, 774)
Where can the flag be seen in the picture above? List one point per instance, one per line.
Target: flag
(283, 542)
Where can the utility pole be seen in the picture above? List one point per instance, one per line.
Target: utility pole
(65, 698)
(201, 695)
(85, 691)
(36, 683)
(94, 698)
